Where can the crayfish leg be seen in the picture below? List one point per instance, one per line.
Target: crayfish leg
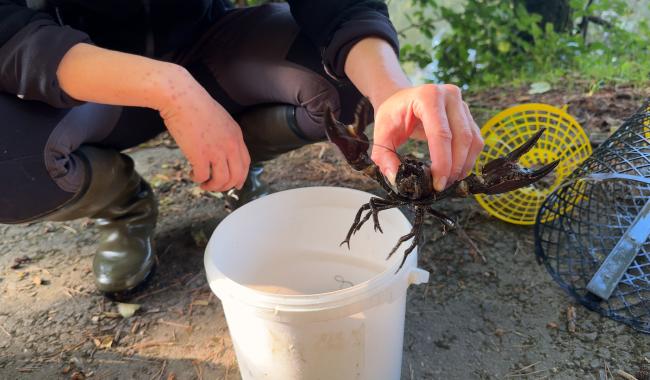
(354, 228)
(416, 234)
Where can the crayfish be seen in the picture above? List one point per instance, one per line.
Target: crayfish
(414, 183)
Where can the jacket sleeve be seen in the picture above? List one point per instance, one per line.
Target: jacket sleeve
(32, 45)
(336, 25)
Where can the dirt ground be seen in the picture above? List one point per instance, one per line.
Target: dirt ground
(500, 319)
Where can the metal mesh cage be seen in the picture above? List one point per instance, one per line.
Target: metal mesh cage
(584, 224)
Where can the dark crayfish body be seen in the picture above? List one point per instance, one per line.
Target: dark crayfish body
(413, 181)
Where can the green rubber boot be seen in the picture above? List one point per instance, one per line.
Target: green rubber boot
(269, 131)
(125, 209)
(253, 188)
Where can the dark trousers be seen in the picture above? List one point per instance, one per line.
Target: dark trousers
(249, 57)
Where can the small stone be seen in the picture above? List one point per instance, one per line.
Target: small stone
(579, 351)
(127, 309)
(590, 336)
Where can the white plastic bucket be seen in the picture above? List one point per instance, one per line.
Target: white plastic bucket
(298, 305)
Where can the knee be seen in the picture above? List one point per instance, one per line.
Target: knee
(86, 124)
(310, 114)
(321, 99)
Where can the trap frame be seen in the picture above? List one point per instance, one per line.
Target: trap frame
(592, 232)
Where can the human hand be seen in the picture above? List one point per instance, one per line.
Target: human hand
(210, 139)
(208, 136)
(437, 114)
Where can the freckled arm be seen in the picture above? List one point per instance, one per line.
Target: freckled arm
(93, 74)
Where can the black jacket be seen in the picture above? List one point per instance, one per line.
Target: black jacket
(34, 38)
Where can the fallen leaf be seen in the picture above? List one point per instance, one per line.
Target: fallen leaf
(104, 342)
(199, 238)
(539, 88)
(37, 281)
(19, 261)
(571, 318)
(158, 180)
(217, 195)
(127, 309)
(197, 191)
(200, 303)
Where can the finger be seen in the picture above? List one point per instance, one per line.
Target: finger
(238, 160)
(477, 143)
(238, 166)
(200, 170)
(220, 176)
(235, 170)
(460, 129)
(245, 162)
(430, 109)
(383, 149)
(418, 133)
(388, 163)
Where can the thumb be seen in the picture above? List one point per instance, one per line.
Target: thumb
(388, 163)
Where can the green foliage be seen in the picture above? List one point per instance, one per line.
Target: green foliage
(496, 41)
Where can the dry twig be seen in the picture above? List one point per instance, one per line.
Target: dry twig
(199, 371)
(474, 249)
(571, 318)
(175, 324)
(5, 331)
(162, 370)
(151, 343)
(624, 375)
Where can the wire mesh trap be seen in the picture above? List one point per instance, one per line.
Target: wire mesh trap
(592, 232)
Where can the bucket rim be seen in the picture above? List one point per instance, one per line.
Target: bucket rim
(225, 287)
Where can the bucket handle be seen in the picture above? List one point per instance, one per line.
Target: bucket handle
(418, 276)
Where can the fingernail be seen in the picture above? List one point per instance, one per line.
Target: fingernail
(390, 176)
(440, 183)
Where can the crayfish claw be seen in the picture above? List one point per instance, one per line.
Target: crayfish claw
(351, 139)
(523, 179)
(515, 154)
(544, 170)
(505, 174)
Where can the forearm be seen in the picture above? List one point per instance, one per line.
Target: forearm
(374, 69)
(89, 73)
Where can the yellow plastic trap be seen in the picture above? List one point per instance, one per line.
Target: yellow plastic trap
(564, 139)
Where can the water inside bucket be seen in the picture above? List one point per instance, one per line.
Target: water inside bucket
(310, 272)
